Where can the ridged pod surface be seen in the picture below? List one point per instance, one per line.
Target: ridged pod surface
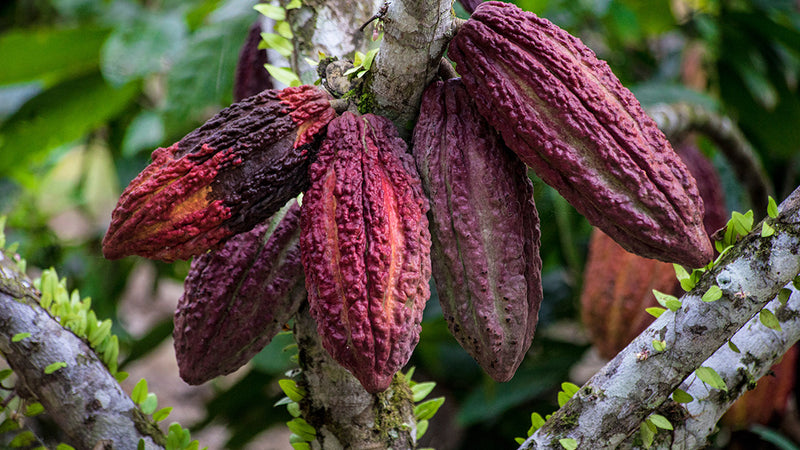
(567, 116)
(221, 179)
(484, 230)
(366, 248)
(239, 297)
(618, 285)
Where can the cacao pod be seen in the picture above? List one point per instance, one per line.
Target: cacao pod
(365, 248)
(617, 288)
(567, 116)
(251, 76)
(618, 285)
(769, 398)
(221, 179)
(484, 230)
(238, 298)
(708, 184)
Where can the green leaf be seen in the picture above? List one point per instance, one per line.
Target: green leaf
(772, 208)
(796, 282)
(426, 410)
(667, 301)
(283, 75)
(647, 434)
(294, 409)
(5, 373)
(63, 446)
(680, 272)
(162, 414)
(20, 336)
(301, 446)
(292, 390)
(659, 346)
(710, 377)
(24, 439)
(655, 311)
(370, 56)
(768, 319)
(783, 295)
(58, 116)
(278, 43)
(421, 390)
(139, 393)
(660, 421)
(301, 428)
(422, 427)
(54, 367)
(733, 347)
(567, 391)
(568, 443)
(9, 425)
(537, 421)
(121, 376)
(146, 131)
(742, 223)
(34, 409)
(150, 403)
(271, 11)
(766, 230)
(713, 294)
(681, 396)
(294, 4)
(50, 54)
(284, 29)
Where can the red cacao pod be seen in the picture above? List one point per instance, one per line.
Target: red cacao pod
(366, 248)
(769, 398)
(238, 298)
(567, 116)
(221, 179)
(484, 230)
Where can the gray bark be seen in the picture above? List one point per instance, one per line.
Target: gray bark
(612, 404)
(83, 398)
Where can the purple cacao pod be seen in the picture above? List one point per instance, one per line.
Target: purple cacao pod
(484, 230)
(567, 116)
(366, 248)
(239, 297)
(221, 179)
(251, 76)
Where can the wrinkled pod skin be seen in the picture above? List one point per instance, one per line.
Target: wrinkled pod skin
(366, 248)
(618, 285)
(223, 178)
(484, 230)
(239, 297)
(566, 115)
(251, 77)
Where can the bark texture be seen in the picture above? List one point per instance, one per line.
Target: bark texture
(83, 398)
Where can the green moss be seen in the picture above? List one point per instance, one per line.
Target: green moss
(366, 102)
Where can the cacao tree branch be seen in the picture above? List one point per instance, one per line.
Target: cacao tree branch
(759, 349)
(83, 398)
(613, 403)
(678, 120)
(339, 408)
(415, 36)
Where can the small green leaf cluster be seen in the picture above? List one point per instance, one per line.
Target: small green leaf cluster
(302, 432)
(178, 438)
(362, 63)
(650, 426)
(423, 410)
(76, 314)
(280, 40)
(568, 390)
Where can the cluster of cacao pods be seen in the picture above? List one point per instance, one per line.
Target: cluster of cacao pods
(375, 221)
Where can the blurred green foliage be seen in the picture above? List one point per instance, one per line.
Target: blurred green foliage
(89, 87)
